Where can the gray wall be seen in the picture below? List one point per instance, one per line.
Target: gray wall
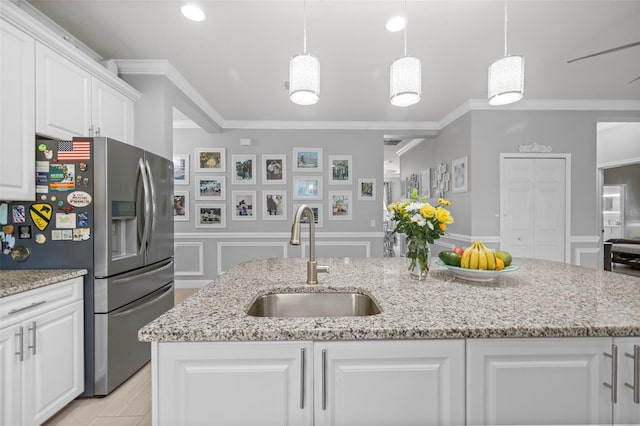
(201, 254)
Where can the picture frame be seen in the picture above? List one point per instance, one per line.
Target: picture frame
(244, 205)
(181, 169)
(210, 160)
(210, 187)
(307, 187)
(340, 169)
(243, 169)
(274, 205)
(340, 205)
(317, 212)
(367, 189)
(274, 169)
(181, 206)
(425, 183)
(459, 174)
(307, 160)
(211, 215)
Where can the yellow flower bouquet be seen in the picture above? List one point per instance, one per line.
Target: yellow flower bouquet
(422, 223)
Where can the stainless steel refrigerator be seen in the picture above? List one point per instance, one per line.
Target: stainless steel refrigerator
(108, 207)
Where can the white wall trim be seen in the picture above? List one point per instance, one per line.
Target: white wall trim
(471, 238)
(200, 247)
(430, 127)
(365, 244)
(619, 163)
(580, 251)
(271, 235)
(584, 239)
(560, 105)
(220, 245)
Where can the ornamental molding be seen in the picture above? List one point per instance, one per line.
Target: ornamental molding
(534, 147)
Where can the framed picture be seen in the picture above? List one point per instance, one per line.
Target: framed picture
(317, 213)
(181, 169)
(244, 205)
(307, 187)
(459, 170)
(307, 159)
(211, 216)
(244, 169)
(425, 183)
(210, 187)
(274, 205)
(181, 206)
(340, 170)
(210, 160)
(340, 205)
(274, 169)
(367, 189)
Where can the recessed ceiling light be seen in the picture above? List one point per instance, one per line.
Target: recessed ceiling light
(396, 24)
(192, 12)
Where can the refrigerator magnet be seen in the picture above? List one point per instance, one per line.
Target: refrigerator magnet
(18, 214)
(24, 232)
(67, 234)
(65, 220)
(56, 235)
(79, 199)
(83, 219)
(20, 253)
(40, 238)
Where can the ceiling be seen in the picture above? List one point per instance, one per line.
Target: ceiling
(238, 58)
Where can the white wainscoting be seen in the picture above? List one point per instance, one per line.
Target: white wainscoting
(364, 244)
(193, 250)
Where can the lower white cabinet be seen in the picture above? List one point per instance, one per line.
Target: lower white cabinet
(41, 352)
(626, 409)
(539, 381)
(309, 383)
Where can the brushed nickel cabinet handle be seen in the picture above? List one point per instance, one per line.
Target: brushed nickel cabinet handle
(302, 366)
(636, 373)
(33, 329)
(24, 308)
(20, 334)
(324, 379)
(614, 373)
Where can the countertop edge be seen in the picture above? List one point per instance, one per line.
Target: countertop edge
(16, 281)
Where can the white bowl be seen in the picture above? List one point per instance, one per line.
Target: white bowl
(475, 274)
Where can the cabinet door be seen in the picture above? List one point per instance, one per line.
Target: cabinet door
(626, 410)
(10, 376)
(243, 383)
(538, 381)
(63, 96)
(17, 114)
(112, 113)
(389, 383)
(54, 355)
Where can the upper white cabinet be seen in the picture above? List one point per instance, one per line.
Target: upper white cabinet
(539, 381)
(17, 114)
(72, 102)
(419, 382)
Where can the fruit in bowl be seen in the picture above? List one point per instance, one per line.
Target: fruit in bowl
(504, 256)
(458, 250)
(450, 258)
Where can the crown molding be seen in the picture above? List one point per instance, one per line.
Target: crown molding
(560, 105)
(431, 128)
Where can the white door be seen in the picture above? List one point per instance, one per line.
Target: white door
(533, 207)
(10, 376)
(626, 410)
(235, 383)
(389, 383)
(538, 381)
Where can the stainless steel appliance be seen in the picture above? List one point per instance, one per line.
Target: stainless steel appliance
(111, 213)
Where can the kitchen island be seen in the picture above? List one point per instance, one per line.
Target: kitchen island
(442, 351)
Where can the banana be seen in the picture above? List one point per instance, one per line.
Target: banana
(491, 259)
(482, 257)
(475, 258)
(466, 255)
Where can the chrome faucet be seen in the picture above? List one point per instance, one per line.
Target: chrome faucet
(312, 266)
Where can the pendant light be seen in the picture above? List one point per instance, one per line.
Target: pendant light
(304, 74)
(506, 75)
(405, 77)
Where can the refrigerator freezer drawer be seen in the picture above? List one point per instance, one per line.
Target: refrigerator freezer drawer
(119, 354)
(113, 292)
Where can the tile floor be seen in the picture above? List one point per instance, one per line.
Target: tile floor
(128, 405)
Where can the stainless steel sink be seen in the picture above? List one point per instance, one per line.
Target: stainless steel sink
(313, 305)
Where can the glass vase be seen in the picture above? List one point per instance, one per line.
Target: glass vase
(417, 256)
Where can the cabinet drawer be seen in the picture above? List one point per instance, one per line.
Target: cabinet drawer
(18, 307)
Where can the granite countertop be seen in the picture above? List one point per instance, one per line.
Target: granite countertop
(17, 281)
(539, 299)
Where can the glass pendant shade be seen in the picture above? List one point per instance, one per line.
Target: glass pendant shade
(506, 80)
(406, 81)
(304, 79)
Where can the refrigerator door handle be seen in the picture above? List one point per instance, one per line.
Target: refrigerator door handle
(145, 304)
(152, 190)
(126, 280)
(147, 208)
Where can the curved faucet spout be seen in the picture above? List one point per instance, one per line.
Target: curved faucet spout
(312, 265)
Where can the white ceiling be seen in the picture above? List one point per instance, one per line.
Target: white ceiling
(238, 58)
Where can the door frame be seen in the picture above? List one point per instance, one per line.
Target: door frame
(567, 220)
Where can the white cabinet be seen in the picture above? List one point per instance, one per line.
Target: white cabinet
(41, 352)
(17, 114)
(539, 381)
(70, 101)
(389, 382)
(626, 409)
(239, 383)
(309, 383)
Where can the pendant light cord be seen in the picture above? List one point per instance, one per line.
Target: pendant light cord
(406, 21)
(304, 29)
(506, 17)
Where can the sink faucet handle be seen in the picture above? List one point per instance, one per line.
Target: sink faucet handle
(322, 268)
